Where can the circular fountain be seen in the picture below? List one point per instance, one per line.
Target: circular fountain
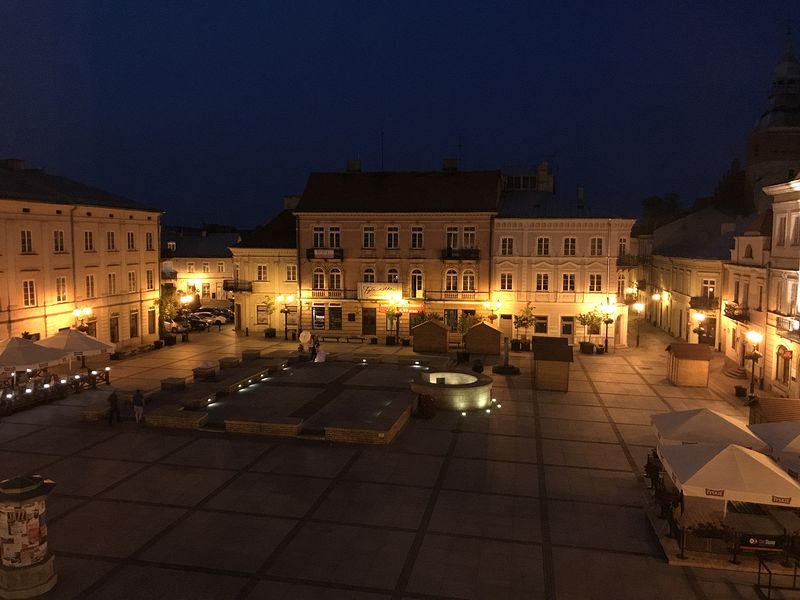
(452, 390)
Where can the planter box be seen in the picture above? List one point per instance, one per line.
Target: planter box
(170, 340)
(587, 348)
(373, 340)
(158, 344)
(269, 332)
(516, 345)
(391, 340)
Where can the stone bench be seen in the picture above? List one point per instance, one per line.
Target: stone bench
(383, 431)
(173, 384)
(204, 373)
(251, 354)
(275, 426)
(175, 417)
(229, 362)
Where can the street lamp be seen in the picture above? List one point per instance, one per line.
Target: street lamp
(397, 303)
(638, 307)
(699, 329)
(607, 309)
(492, 307)
(755, 339)
(80, 314)
(286, 301)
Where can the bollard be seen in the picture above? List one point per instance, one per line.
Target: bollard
(27, 569)
(246, 332)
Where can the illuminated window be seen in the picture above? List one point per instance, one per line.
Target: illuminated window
(596, 246)
(26, 241)
(570, 244)
(468, 281)
(543, 246)
(568, 282)
(451, 280)
(506, 281)
(542, 282)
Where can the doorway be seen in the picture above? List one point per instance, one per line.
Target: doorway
(368, 321)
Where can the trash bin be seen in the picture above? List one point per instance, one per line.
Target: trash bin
(185, 337)
(294, 335)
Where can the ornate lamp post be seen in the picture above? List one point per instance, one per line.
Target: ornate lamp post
(396, 304)
(699, 329)
(755, 339)
(638, 307)
(286, 301)
(607, 309)
(80, 314)
(492, 307)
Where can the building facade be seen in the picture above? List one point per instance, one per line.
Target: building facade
(266, 283)
(560, 266)
(198, 261)
(373, 246)
(75, 256)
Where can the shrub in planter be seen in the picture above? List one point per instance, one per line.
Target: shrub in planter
(587, 347)
(170, 340)
(374, 340)
(158, 344)
(391, 340)
(516, 345)
(269, 332)
(525, 345)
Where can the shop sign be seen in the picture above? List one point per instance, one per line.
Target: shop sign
(716, 493)
(761, 542)
(379, 291)
(780, 500)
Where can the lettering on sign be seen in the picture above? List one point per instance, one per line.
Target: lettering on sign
(378, 291)
(717, 493)
(779, 500)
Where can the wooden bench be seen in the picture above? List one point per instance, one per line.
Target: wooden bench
(229, 362)
(204, 373)
(354, 338)
(175, 417)
(173, 383)
(251, 354)
(329, 338)
(275, 426)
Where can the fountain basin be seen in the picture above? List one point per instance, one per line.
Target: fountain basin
(452, 390)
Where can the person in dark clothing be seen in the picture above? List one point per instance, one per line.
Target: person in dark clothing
(138, 406)
(113, 408)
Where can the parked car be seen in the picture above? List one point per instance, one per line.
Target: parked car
(225, 313)
(174, 326)
(197, 323)
(209, 317)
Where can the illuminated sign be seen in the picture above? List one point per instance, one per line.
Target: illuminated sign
(379, 291)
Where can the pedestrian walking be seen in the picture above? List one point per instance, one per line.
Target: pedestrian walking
(138, 406)
(113, 408)
(314, 350)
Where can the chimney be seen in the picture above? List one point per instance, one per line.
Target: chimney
(13, 164)
(450, 165)
(290, 202)
(354, 166)
(580, 199)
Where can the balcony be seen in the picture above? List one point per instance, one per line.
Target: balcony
(788, 327)
(704, 302)
(327, 293)
(168, 275)
(461, 254)
(627, 260)
(335, 253)
(737, 312)
(237, 285)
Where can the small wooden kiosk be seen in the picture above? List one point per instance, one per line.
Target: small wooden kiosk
(551, 358)
(430, 336)
(482, 338)
(688, 364)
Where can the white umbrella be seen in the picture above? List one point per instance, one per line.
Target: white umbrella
(76, 344)
(19, 354)
(781, 436)
(729, 472)
(702, 425)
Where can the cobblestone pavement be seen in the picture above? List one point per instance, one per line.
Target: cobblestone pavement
(542, 498)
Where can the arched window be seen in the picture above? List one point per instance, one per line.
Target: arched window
(416, 283)
(392, 276)
(369, 275)
(318, 279)
(451, 280)
(783, 364)
(748, 251)
(468, 281)
(335, 279)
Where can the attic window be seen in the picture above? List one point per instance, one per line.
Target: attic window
(58, 212)
(88, 214)
(171, 246)
(748, 251)
(110, 215)
(149, 218)
(26, 210)
(130, 216)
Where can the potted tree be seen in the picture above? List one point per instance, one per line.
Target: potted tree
(591, 326)
(523, 321)
(269, 307)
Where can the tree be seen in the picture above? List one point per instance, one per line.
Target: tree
(591, 323)
(466, 321)
(524, 319)
(429, 316)
(269, 305)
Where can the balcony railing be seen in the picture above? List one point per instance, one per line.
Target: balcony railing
(704, 302)
(327, 293)
(237, 285)
(461, 254)
(737, 312)
(788, 327)
(335, 253)
(627, 260)
(169, 275)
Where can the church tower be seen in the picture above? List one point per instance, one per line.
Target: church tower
(773, 147)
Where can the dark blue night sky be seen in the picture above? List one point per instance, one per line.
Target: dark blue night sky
(214, 111)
